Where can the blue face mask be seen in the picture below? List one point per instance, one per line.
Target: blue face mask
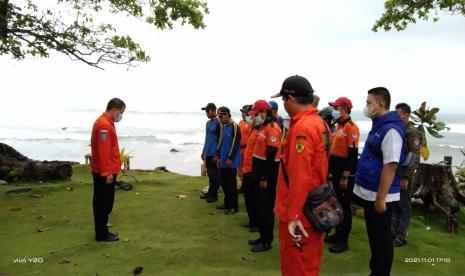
(336, 114)
(259, 120)
(120, 117)
(249, 120)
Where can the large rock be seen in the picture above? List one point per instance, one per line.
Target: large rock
(28, 169)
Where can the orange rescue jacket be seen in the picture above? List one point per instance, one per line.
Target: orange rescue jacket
(252, 140)
(306, 160)
(344, 137)
(268, 135)
(104, 144)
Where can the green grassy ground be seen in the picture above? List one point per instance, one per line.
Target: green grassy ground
(168, 236)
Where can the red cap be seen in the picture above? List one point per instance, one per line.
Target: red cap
(258, 106)
(342, 101)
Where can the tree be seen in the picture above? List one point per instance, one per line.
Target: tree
(399, 13)
(26, 30)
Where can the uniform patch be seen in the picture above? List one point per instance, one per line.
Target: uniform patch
(104, 136)
(416, 141)
(299, 147)
(354, 136)
(273, 138)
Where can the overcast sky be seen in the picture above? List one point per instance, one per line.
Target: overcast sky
(247, 50)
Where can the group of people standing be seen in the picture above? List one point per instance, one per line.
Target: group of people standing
(282, 159)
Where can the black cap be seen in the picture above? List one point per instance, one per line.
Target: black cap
(223, 110)
(246, 108)
(296, 86)
(210, 106)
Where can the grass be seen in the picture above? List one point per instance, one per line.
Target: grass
(168, 236)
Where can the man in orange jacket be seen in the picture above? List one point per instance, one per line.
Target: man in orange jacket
(245, 127)
(305, 160)
(106, 165)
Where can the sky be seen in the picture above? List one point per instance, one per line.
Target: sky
(246, 51)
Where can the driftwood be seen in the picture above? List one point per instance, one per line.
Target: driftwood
(28, 169)
(435, 184)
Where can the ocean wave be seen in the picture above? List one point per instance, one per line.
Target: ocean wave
(147, 139)
(448, 146)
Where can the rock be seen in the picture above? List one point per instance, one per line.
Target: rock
(123, 186)
(3, 182)
(137, 270)
(174, 150)
(162, 168)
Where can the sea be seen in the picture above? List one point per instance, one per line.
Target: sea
(171, 139)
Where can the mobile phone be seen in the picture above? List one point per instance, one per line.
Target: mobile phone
(298, 244)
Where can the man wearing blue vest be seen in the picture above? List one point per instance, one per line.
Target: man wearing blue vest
(212, 134)
(229, 159)
(376, 183)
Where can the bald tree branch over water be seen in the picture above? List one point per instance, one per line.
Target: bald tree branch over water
(399, 13)
(27, 30)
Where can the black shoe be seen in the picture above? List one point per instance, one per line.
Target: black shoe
(113, 234)
(221, 207)
(109, 238)
(339, 247)
(204, 196)
(231, 211)
(331, 239)
(263, 246)
(255, 242)
(212, 199)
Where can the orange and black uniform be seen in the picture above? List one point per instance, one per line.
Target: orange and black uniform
(306, 161)
(250, 189)
(265, 167)
(343, 157)
(245, 130)
(105, 161)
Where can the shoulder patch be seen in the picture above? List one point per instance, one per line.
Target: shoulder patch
(273, 138)
(103, 136)
(354, 136)
(299, 147)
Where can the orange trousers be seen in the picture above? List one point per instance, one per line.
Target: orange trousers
(297, 263)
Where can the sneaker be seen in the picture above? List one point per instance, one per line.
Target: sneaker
(399, 241)
(204, 196)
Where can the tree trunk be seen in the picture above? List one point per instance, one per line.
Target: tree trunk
(3, 19)
(435, 184)
(29, 169)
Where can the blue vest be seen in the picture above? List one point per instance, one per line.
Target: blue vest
(370, 164)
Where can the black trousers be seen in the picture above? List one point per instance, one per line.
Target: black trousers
(102, 203)
(265, 209)
(379, 235)
(344, 196)
(213, 177)
(228, 183)
(250, 198)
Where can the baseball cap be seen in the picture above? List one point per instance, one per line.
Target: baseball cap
(296, 86)
(273, 105)
(246, 108)
(210, 106)
(342, 101)
(223, 110)
(258, 106)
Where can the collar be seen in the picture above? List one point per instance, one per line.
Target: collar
(306, 112)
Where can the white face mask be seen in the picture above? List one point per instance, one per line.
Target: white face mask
(368, 112)
(286, 123)
(120, 117)
(259, 120)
